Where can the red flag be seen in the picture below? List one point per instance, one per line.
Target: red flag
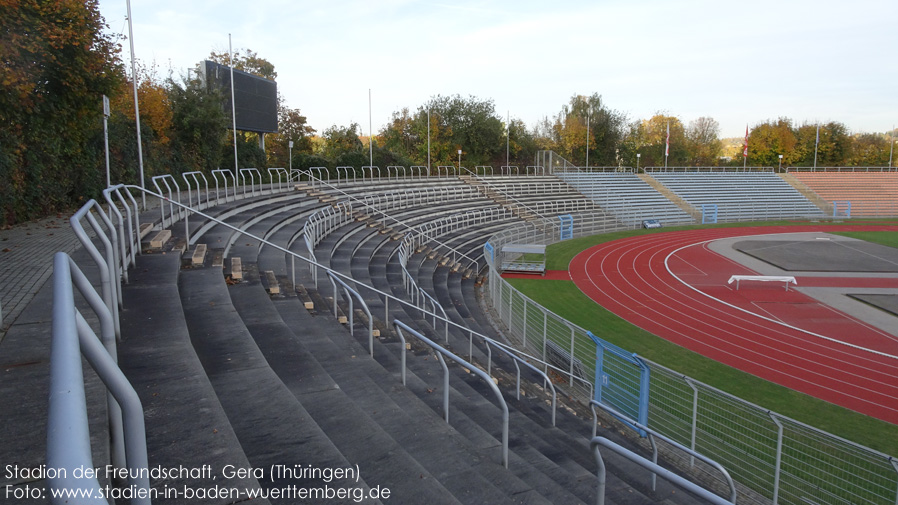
(745, 148)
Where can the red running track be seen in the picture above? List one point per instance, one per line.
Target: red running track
(629, 277)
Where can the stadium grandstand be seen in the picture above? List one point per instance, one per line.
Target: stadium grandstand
(346, 336)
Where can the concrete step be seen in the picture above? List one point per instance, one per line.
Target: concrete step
(186, 423)
(272, 426)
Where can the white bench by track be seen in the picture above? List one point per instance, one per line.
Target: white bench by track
(763, 278)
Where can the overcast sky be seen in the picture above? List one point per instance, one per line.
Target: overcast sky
(738, 62)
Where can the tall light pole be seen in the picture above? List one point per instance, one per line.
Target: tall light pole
(233, 105)
(290, 146)
(106, 135)
(637, 162)
(370, 138)
(459, 162)
(136, 108)
(781, 163)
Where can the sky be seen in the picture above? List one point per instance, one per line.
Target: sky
(741, 63)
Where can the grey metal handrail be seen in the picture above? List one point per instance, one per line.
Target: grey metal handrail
(107, 337)
(639, 460)
(653, 435)
(109, 275)
(199, 197)
(518, 359)
(347, 207)
(364, 305)
(68, 436)
(224, 177)
(253, 172)
(280, 172)
(546, 220)
(171, 198)
(129, 241)
(387, 296)
(442, 351)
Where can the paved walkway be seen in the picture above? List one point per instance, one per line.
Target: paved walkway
(26, 262)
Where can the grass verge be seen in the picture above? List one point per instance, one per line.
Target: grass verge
(566, 300)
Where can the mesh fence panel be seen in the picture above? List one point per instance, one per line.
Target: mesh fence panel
(773, 459)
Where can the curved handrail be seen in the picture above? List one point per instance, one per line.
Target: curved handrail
(280, 172)
(654, 434)
(109, 275)
(199, 197)
(253, 172)
(129, 248)
(224, 177)
(68, 436)
(317, 265)
(517, 359)
(165, 178)
(364, 307)
(648, 465)
(441, 351)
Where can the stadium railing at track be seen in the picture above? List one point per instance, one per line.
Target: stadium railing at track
(774, 459)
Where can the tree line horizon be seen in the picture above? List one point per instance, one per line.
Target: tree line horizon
(60, 62)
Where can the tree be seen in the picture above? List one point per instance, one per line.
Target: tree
(292, 127)
(768, 140)
(340, 141)
(249, 62)
(401, 135)
(566, 132)
(198, 126)
(648, 138)
(703, 141)
(832, 148)
(522, 144)
(469, 124)
(869, 149)
(57, 63)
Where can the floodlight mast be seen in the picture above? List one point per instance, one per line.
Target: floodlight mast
(233, 103)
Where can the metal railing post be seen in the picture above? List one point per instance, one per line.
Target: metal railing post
(779, 458)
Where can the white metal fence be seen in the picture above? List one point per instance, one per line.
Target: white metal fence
(773, 458)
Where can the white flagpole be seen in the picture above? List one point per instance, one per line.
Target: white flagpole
(428, 140)
(507, 138)
(816, 143)
(136, 108)
(891, 145)
(587, 136)
(233, 104)
(667, 145)
(370, 137)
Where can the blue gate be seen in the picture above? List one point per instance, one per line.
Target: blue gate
(567, 226)
(841, 208)
(709, 213)
(622, 381)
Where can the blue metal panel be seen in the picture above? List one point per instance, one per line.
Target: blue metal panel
(842, 208)
(622, 381)
(709, 213)
(491, 251)
(567, 226)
